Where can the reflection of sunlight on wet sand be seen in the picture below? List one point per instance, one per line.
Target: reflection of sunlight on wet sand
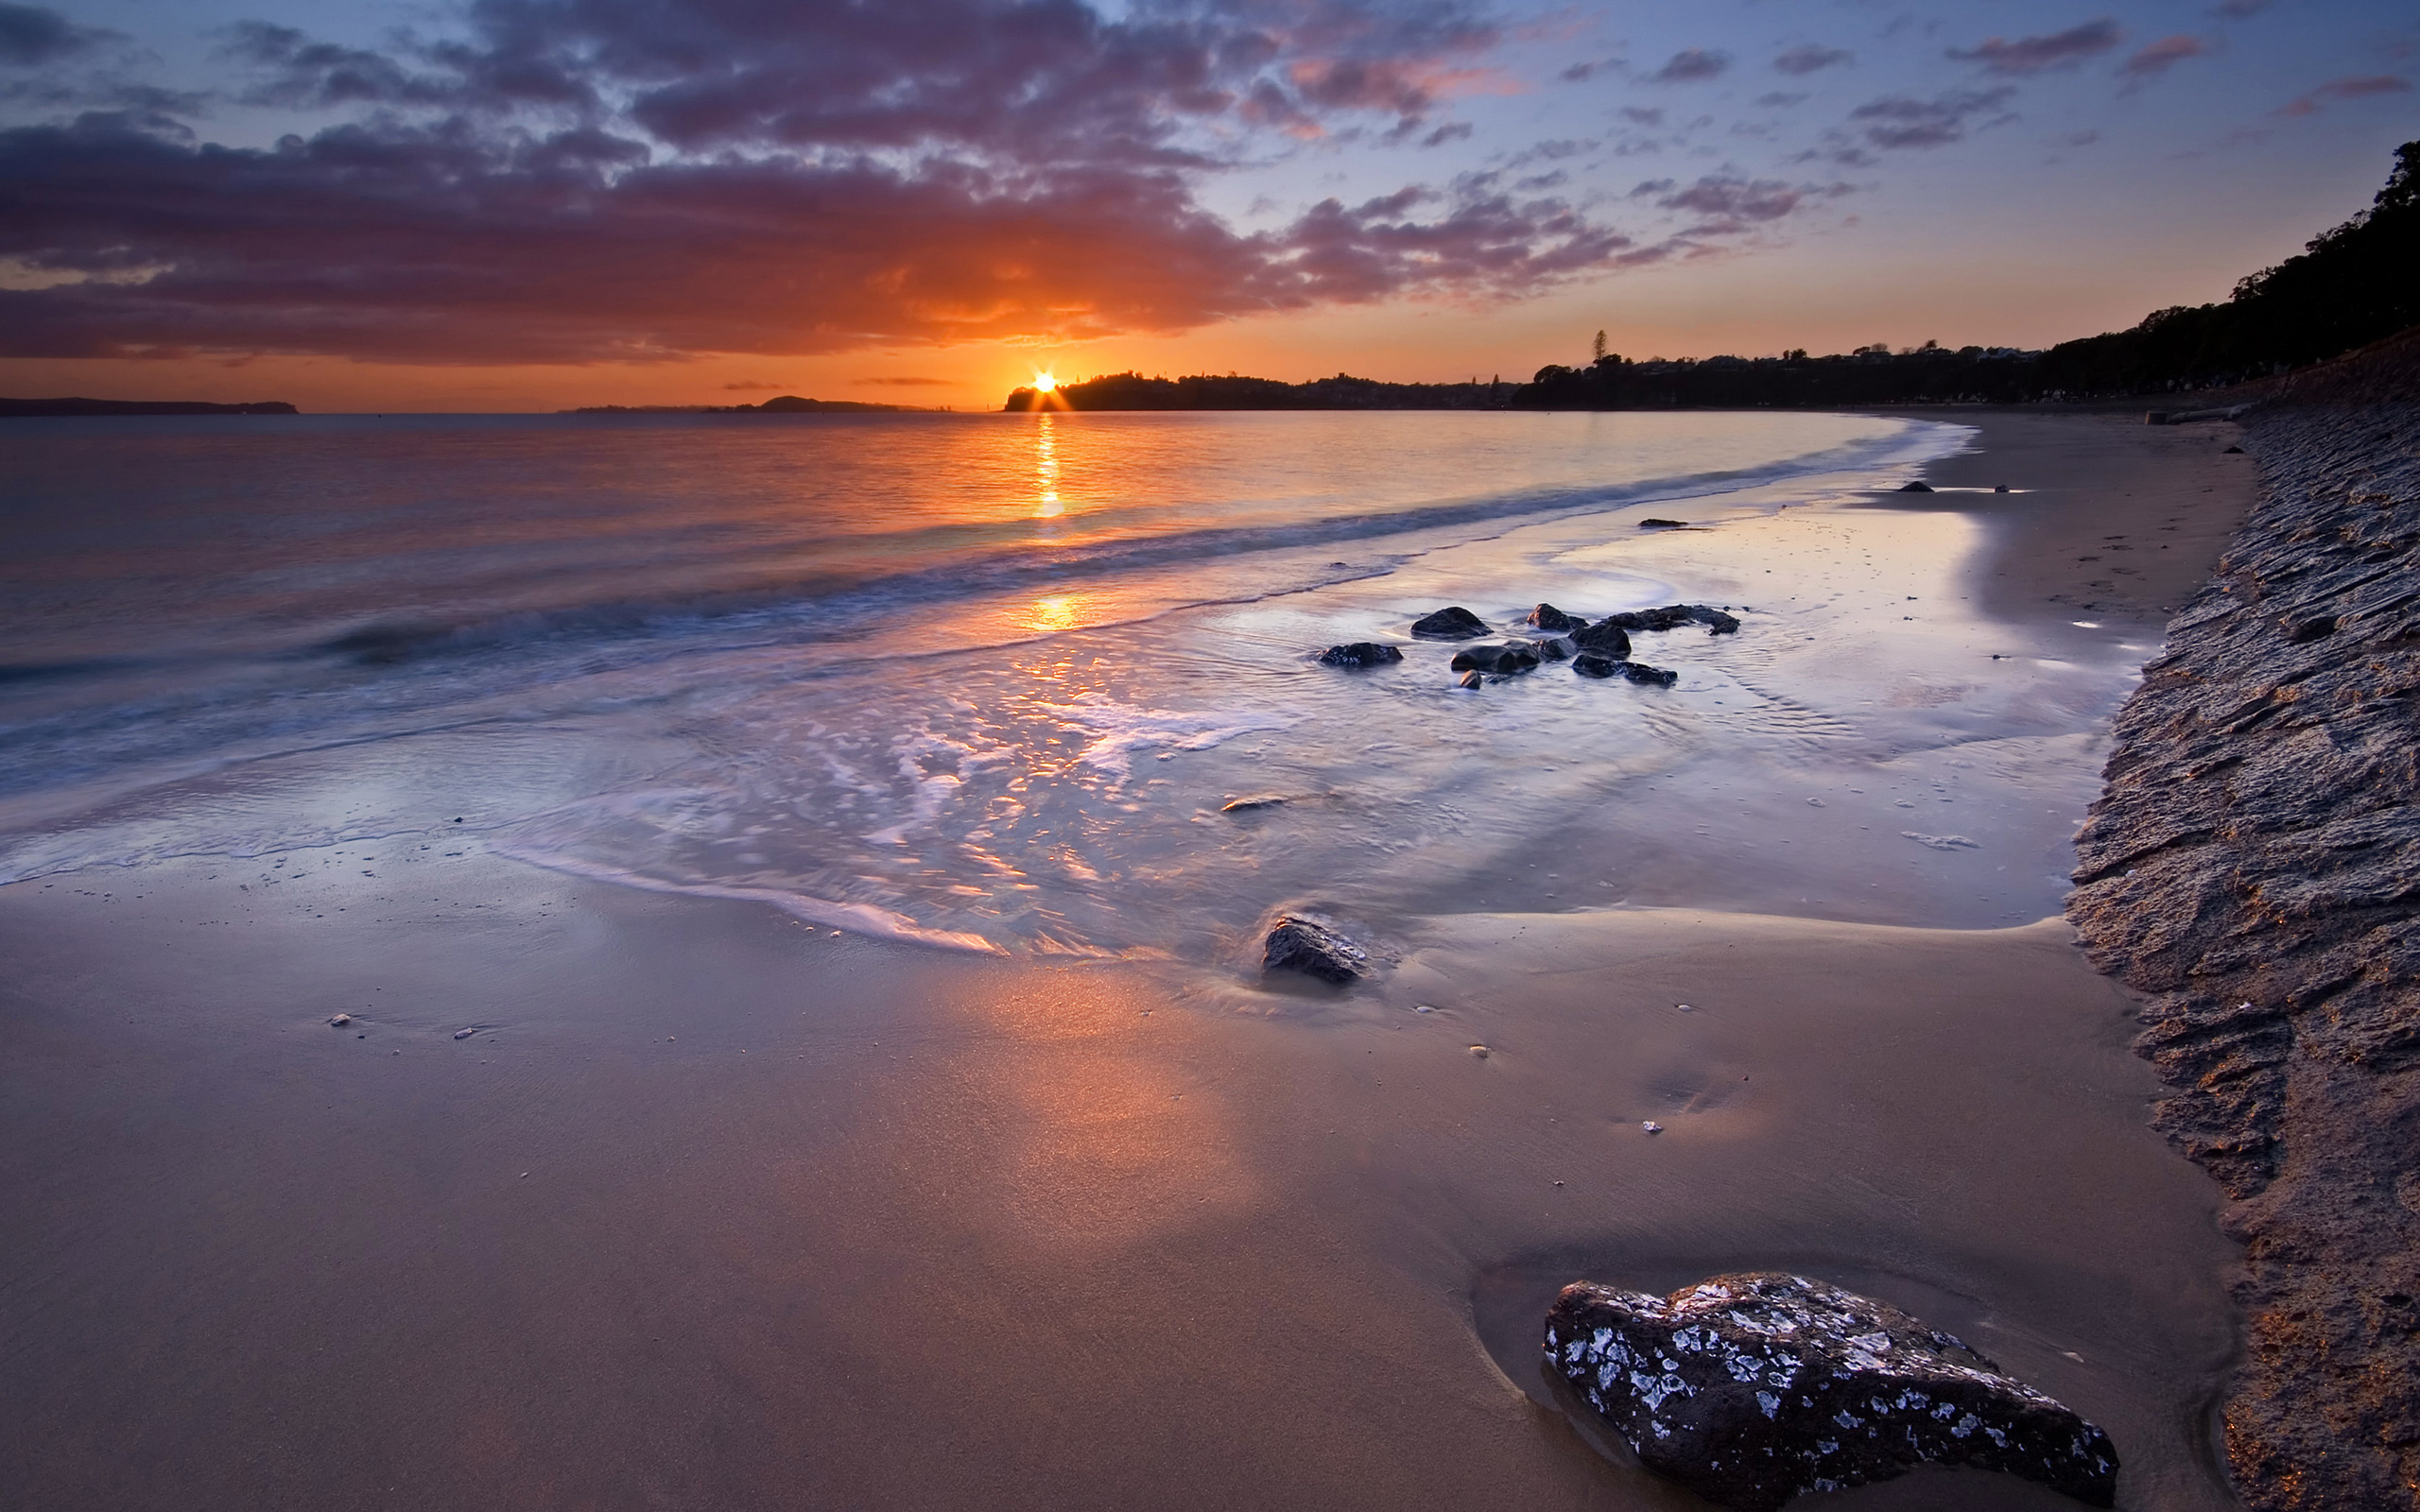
(1102, 1137)
(1057, 612)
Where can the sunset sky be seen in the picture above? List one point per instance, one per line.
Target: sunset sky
(531, 204)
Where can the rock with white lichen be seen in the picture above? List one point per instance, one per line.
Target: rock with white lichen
(1750, 1388)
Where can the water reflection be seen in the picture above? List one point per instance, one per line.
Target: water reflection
(1045, 470)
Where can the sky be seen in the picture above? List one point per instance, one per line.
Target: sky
(534, 204)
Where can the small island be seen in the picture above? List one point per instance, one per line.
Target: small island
(786, 404)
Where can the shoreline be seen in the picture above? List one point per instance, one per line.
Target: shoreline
(2249, 872)
(818, 1219)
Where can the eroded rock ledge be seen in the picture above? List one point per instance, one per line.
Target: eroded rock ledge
(2253, 869)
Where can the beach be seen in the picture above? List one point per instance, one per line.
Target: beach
(721, 1204)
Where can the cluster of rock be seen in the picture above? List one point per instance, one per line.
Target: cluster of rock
(1599, 649)
(1750, 1388)
(2252, 867)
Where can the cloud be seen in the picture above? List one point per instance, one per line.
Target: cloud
(1809, 58)
(1643, 115)
(751, 388)
(1728, 198)
(575, 180)
(1779, 100)
(434, 244)
(908, 383)
(1899, 121)
(2033, 55)
(2154, 59)
(31, 36)
(1693, 66)
(2335, 89)
(2238, 10)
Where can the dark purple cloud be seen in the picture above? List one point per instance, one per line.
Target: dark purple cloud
(437, 246)
(574, 181)
(31, 36)
(2032, 54)
(2156, 58)
(2334, 90)
(1809, 58)
(1901, 121)
(1693, 66)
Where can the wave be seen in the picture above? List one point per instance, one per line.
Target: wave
(839, 606)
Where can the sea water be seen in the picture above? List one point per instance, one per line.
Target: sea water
(1035, 683)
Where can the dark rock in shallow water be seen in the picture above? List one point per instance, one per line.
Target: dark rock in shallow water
(1312, 948)
(1455, 624)
(1504, 661)
(1546, 617)
(1589, 664)
(1662, 524)
(1750, 1388)
(1917, 487)
(1471, 681)
(1647, 677)
(1359, 654)
(1672, 617)
(1554, 648)
(1605, 638)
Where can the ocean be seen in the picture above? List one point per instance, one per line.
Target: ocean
(1038, 684)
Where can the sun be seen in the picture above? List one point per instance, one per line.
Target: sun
(1044, 382)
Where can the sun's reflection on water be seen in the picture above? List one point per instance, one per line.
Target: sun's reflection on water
(1045, 470)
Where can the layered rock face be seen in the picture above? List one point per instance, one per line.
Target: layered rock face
(2253, 869)
(1754, 1388)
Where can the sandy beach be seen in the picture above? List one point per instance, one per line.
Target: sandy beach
(714, 1208)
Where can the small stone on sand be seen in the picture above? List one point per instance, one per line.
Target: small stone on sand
(1652, 1127)
(341, 1021)
(1479, 1052)
(464, 1034)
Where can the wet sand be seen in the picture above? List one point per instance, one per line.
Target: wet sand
(715, 1209)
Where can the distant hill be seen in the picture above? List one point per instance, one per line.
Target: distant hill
(27, 408)
(2351, 286)
(786, 404)
(1131, 390)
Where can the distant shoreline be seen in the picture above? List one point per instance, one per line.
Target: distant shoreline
(45, 408)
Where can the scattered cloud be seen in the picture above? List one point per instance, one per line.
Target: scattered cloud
(1724, 198)
(1809, 58)
(2033, 55)
(2311, 102)
(745, 387)
(907, 383)
(1779, 100)
(2154, 59)
(1643, 115)
(1693, 66)
(1899, 122)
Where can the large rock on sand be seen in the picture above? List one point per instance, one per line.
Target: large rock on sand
(1453, 623)
(1750, 1388)
(1313, 948)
